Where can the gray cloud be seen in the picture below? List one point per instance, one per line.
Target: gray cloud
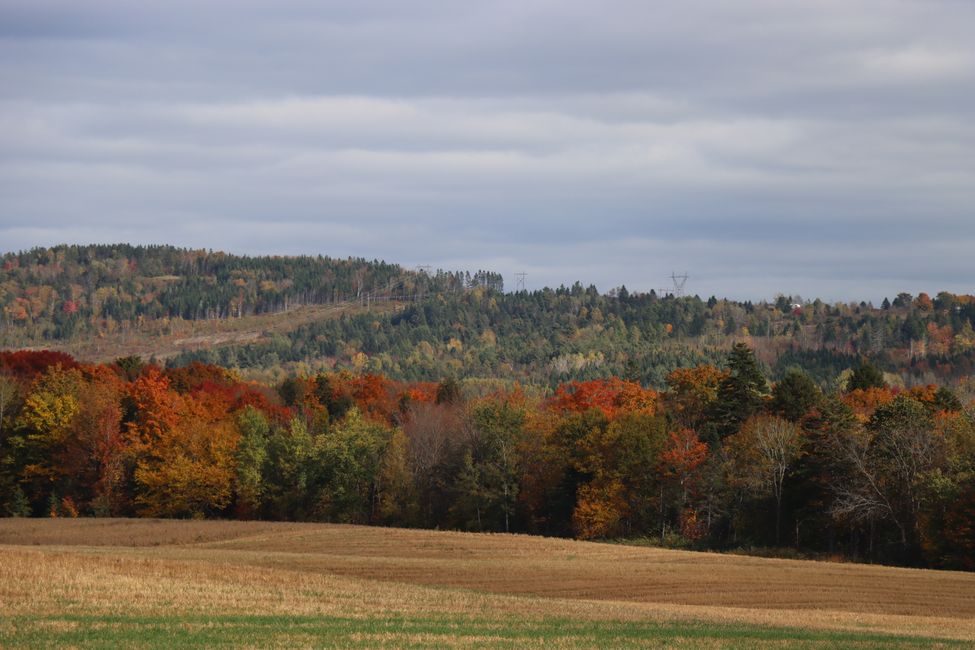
(819, 147)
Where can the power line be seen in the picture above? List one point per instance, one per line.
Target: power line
(679, 282)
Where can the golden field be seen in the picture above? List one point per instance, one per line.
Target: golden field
(78, 572)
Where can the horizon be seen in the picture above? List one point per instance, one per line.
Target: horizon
(810, 148)
(511, 278)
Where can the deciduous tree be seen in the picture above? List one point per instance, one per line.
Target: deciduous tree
(761, 455)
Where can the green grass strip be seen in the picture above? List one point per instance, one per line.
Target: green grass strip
(419, 632)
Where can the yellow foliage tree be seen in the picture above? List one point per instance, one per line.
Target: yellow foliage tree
(600, 510)
(46, 421)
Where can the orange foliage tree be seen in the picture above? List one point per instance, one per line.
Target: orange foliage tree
(864, 401)
(612, 396)
(184, 450)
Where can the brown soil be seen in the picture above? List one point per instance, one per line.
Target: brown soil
(555, 575)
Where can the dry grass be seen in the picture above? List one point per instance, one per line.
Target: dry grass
(131, 532)
(153, 567)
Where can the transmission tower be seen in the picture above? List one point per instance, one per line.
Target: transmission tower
(520, 284)
(679, 282)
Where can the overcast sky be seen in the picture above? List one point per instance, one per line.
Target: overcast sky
(819, 147)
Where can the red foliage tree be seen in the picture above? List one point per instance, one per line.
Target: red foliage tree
(28, 364)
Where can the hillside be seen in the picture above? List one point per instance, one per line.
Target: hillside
(268, 314)
(157, 582)
(165, 340)
(551, 336)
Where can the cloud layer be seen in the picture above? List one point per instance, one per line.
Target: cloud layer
(819, 147)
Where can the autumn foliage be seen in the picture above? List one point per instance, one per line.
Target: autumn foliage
(611, 396)
(873, 472)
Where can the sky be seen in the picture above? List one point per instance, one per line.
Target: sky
(822, 148)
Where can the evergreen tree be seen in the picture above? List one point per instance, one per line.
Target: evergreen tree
(795, 395)
(741, 394)
(19, 504)
(865, 376)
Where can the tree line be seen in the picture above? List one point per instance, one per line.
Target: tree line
(719, 458)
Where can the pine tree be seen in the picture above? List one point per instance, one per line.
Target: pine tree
(865, 376)
(19, 504)
(741, 394)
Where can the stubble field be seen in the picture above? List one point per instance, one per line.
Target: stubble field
(151, 583)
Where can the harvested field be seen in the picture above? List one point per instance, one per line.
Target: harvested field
(71, 572)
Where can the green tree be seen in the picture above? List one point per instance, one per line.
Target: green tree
(487, 484)
(864, 376)
(348, 459)
(335, 402)
(251, 456)
(471, 496)
(293, 390)
(795, 396)
(946, 400)
(395, 486)
(18, 505)
(741, 394)
(288, 472)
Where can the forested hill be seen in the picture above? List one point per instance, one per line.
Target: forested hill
(56, 293)
(576, 333)
(457, 324)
